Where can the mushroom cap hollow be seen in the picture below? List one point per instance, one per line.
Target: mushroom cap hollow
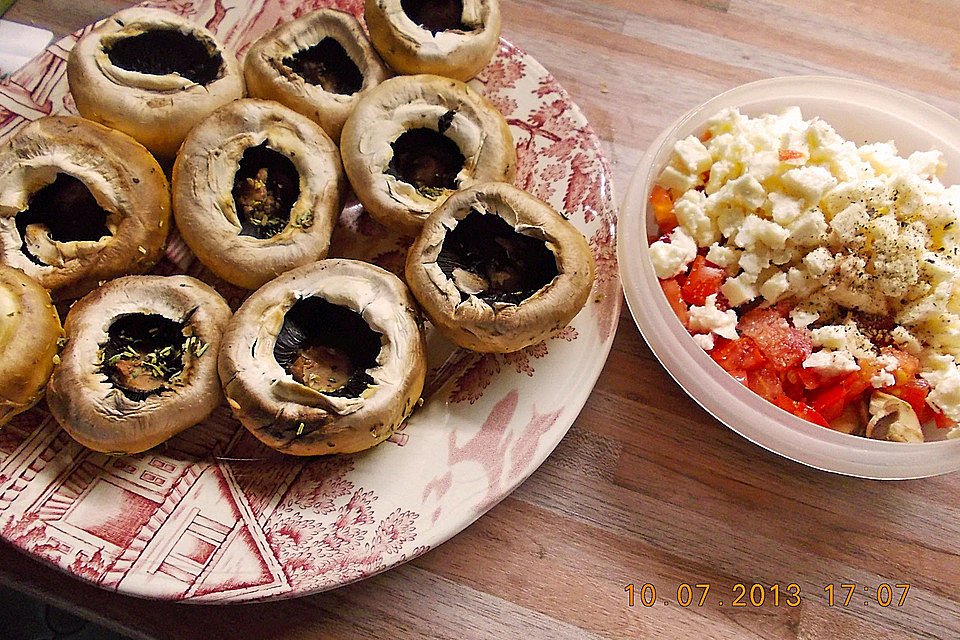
(158, 109)
(29, 334)
(464, 305)
(456, 53)
(208, 168)
(121, 179)
(93, 407)
(296, 417)
(443, 110)
(269, 76)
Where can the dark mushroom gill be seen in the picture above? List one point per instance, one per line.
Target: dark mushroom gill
(265, 188)
(162, 51)
(327, 347)
(68, 211)
(427, 159)
(328, 65)
(486, 256)
(436, 15)
(143, 355)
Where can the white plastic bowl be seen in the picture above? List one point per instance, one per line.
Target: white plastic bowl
(861, 112)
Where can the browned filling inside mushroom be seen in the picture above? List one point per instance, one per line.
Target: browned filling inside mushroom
(327, 347)
(144, 353)
(265, 188)
(427, 159)
(162, 51)
(484, 256)
(68, 212)
(436, 15)
(327, 64)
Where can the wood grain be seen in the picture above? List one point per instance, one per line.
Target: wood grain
(646, 488)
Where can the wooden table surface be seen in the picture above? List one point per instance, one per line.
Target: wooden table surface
(646, 487)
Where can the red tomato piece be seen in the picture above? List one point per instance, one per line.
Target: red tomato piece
(766, 384)
(784, 346)
(671, 289)
(808, 413)
(789, 154)
(832, 400)
(741, 354)
(662, 205)
(703, 280)
(914, 392)
(943, 422)
(740, 376)
(908, 365)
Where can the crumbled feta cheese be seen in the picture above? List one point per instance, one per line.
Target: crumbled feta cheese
(671, 258)
(704, 340)
(739, 289)
(692, 216)
(710, 318)
(882, 379)
(722, 256)
(692, 156)
(810, 183)
(677, 182)
(943, 374)
(775, 286)
(802, 319)
(829, 363)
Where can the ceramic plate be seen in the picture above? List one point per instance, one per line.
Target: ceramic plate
(215, 516)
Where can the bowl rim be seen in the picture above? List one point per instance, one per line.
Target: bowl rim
(791, 437)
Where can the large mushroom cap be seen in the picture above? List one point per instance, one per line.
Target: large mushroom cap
(79, 204)
(140, 363)
(414, 140)
(327, 358)
(256, 191)
(453, 38)
(153, 75)
(29, 334)
(318, 65)
(498, 270)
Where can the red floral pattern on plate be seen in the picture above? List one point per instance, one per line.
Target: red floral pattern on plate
(214, 515)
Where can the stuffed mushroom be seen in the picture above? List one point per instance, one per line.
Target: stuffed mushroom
(256, 191)
(80, 204)
(327, 358)
(414, 140)
(497, 270)
(140, 362)
(453, 38)
(318, 65)
(153, 75)
(30, 336)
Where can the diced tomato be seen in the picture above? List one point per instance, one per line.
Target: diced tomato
(803, 410)
(943, 422)
(914, 392)
(832, 400)
(738, 355)
(811, 379)
(706, 135)
(703, 280)
(739, 376)
(908, 367)
(662, 205)
(785, 346)
(671, 289)
(789, 154)
(766, 384)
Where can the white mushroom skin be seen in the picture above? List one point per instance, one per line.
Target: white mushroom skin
(121, 175)
(296, 419)
(97, 414)
(203, 180)
(410, 48)
(157, 110)
(500, 327)
(267, 77)
(892, 419)
(29, 334)
(428, 102)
